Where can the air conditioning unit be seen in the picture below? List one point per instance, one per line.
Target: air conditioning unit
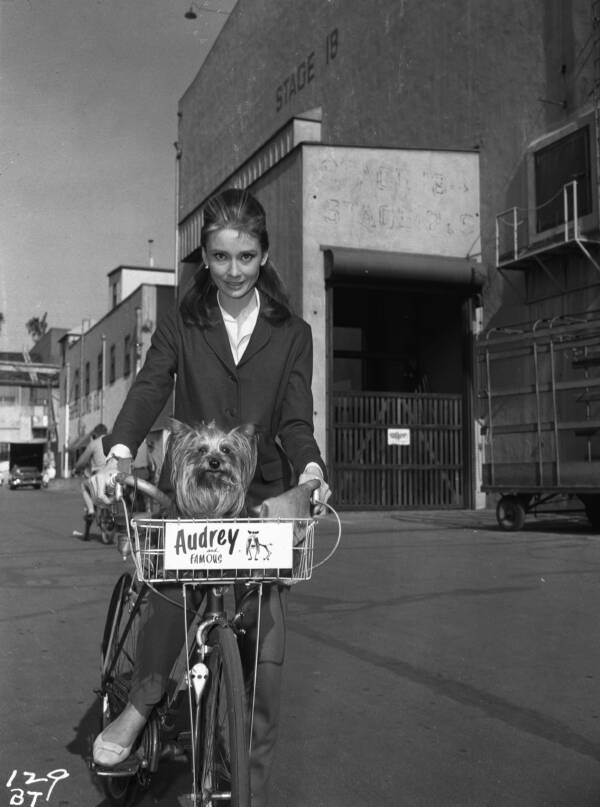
(563, 183)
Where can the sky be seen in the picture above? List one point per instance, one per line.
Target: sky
(89, 91)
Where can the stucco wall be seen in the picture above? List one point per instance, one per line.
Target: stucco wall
(395, 200)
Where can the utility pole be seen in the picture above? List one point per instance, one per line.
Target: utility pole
(67, 419)
(103, 373)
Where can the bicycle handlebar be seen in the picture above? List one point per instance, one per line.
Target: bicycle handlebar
(295, 499)
(146, 487)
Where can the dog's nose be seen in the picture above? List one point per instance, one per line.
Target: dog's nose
(213, 463)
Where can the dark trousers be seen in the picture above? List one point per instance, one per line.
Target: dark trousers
(160, 641)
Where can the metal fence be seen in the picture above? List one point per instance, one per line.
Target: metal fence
(397, 451)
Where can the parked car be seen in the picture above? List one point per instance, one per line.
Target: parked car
(25, 476)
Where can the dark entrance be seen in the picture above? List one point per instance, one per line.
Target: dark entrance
(400, 388)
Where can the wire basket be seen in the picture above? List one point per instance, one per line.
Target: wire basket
(222, 551)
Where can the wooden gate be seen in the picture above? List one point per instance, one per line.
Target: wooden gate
(367, 472)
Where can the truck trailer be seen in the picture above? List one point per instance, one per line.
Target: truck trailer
(540, 416)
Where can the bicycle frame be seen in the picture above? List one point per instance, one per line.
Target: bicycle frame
(186, 673)
(197, 676)
(209, 665)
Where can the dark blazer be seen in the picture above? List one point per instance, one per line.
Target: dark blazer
(270, 387)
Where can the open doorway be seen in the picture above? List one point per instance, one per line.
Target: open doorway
(400, 371)
(392, 339)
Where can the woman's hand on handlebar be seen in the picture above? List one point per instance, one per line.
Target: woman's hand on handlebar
(322, 491)
(103, 483)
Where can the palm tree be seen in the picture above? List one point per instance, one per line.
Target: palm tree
(37, 327)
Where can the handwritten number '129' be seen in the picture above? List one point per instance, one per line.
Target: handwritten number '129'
(18, 793)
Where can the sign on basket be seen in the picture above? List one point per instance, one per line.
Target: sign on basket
(227, 545)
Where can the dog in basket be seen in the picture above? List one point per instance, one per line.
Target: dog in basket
(211, 470)
(210, 473)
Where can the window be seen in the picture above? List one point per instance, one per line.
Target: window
(76, 387)
(555, 166)
(38, 396)
(112, 365)
(87, 378)
(127, 356)
(8, 396)
(99, 377)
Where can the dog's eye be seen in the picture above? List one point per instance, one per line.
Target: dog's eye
(225, 449)
(202, 450)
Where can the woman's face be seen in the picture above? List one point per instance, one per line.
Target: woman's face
(234, 260)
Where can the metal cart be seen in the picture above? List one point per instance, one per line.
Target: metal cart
(540, 417)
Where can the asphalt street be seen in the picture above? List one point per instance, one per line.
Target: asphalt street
(435, 661)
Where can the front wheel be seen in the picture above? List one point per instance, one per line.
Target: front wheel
(221, 742)
(107, 522)
(119, 642)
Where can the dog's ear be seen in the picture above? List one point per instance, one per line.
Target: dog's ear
(249, 430)
(176, 427)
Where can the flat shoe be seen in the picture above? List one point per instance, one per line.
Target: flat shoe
(109, 754)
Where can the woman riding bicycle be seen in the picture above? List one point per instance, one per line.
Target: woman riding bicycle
(88, 463)
(238, 355)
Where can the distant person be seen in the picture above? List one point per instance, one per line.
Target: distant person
(48, 466)
(88, 463)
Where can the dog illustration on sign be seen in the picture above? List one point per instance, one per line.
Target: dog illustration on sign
(254, 545)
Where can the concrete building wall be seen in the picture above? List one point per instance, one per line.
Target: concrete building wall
(20, 413)
(136, 317)
(124, 280)
(400, 201)
(434, 77)
(281, 194)
(47, 349)
(460, 74)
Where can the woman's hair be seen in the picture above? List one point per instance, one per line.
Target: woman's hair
(235, 209)
(98, 431)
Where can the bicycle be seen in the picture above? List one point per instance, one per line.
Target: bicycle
(109, 521)
(208, 672)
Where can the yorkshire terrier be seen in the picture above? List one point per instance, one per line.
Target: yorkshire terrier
(211, 470)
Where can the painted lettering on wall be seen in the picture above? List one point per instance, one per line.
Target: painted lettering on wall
(383, 198)
(305, 72)
(331, 45)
